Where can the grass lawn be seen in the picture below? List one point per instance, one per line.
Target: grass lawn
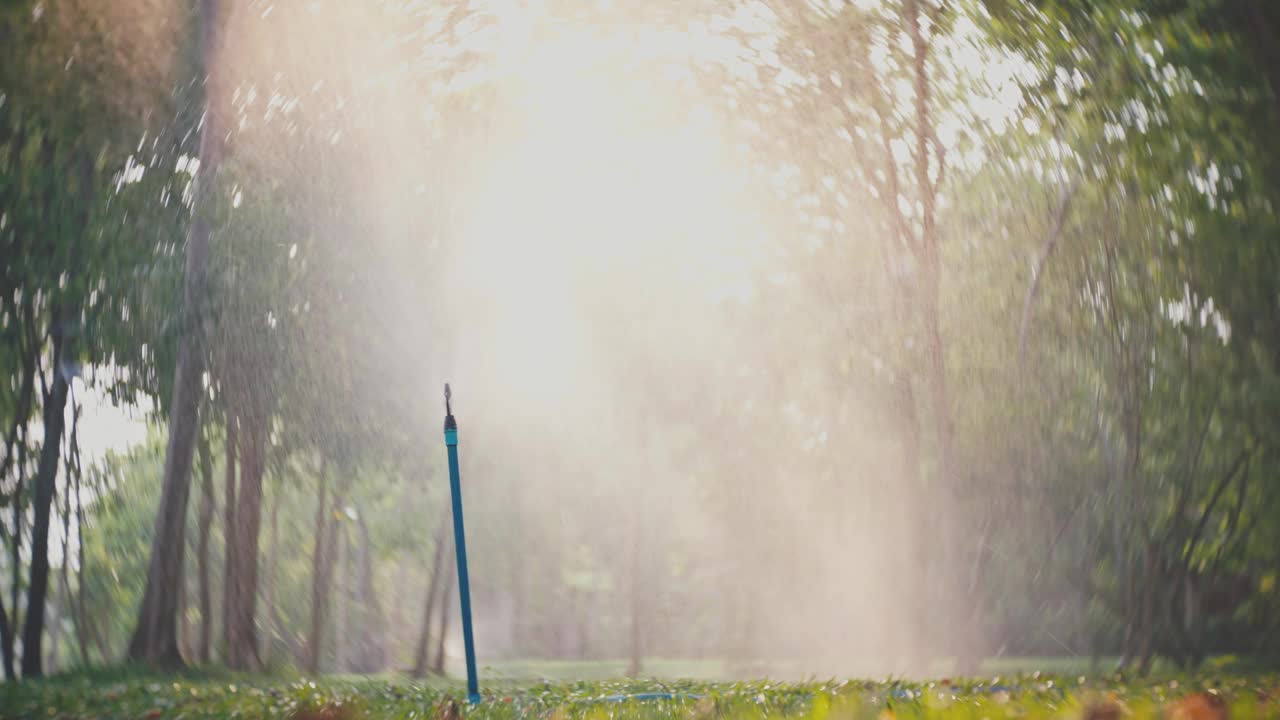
(125, 693)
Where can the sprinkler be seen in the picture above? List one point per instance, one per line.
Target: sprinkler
(460, 546)
(464, 583)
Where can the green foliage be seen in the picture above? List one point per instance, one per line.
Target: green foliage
(125, 491)
(1110, 274)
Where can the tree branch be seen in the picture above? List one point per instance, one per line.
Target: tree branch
(1194, 540)
(1065, 196)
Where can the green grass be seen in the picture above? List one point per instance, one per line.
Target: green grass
(129, 693)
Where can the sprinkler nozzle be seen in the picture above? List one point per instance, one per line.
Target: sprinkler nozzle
(449, 422)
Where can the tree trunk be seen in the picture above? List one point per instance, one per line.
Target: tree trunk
(340, 635)
(55, 401)
(273, 560)
(370, 650)
(204, 648)
(1065, 193)
(424, 640)
(64, 586)
(82, 633)
(6, 637)
(437, 665)
(322, 567)
(319, 583)
(242, 644)
(155, 639)
(16, 556)
(181, 626)
(55, 628)
(896, 250)
(66, 603)
(16, 444)
(929, 252)
(229, 553)
(950, 540)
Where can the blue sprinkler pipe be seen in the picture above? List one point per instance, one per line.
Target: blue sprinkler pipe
(460, 546)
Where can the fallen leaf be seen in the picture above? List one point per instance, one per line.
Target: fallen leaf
(1201, 706)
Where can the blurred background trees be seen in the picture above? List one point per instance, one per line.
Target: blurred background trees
(829, 336)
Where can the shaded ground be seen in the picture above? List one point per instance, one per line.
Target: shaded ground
(126, 694)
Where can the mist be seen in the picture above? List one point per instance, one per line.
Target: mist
(639, 392)
(789, 340)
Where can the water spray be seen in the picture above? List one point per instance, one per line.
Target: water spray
(460, 546)
(464, 583)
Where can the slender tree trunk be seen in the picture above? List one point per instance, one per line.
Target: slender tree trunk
(896, 252)
(323, 563)
(371, 651)
(951, 540)
(65, 601)
(341, 636)
(6, 637)
(242, 650)
(229, 552)
(929, 252)
(82, 633)
(204, 649)
(1065, 193)
(55, 402)
(155, 639)
(437, 666)
(15, 558)
(55, 628)
(273, 559)
(319, 583)
(424, 639)
(182, 627)
(16, 445)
